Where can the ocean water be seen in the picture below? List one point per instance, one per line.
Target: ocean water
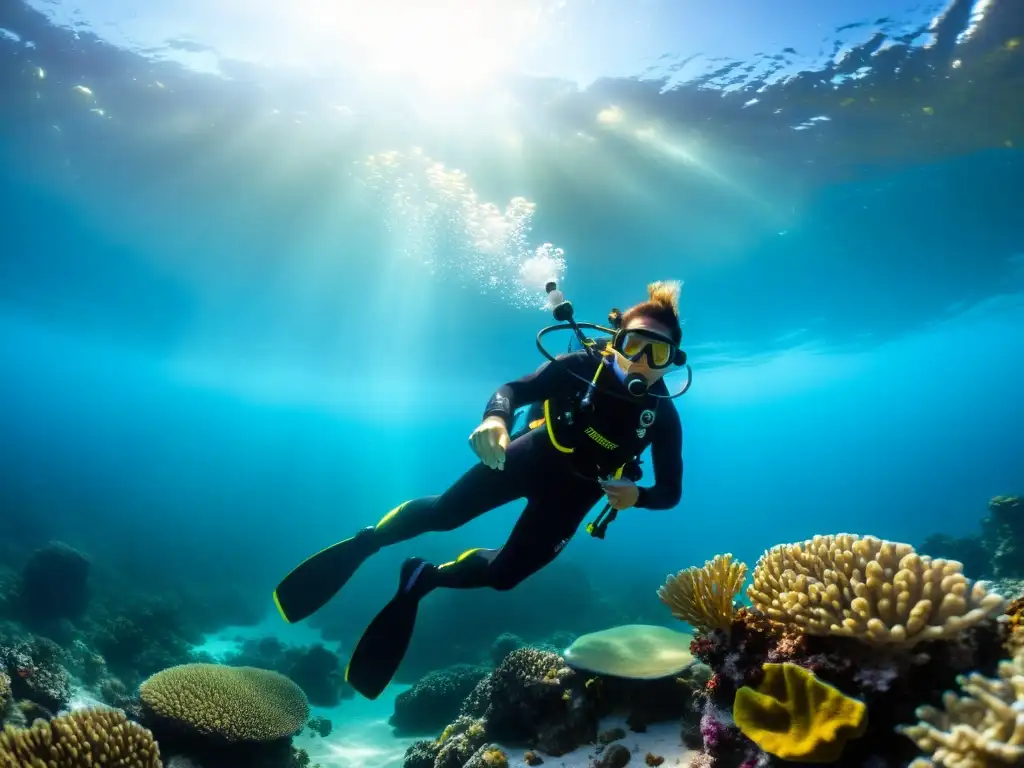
(262, 266)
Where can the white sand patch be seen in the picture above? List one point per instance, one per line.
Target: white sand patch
(662, 739)
(361, 737)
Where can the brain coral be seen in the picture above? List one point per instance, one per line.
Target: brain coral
(230, 703)
(98, 738)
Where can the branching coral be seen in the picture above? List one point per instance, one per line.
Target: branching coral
(985, 727)
(98, 738)
(703, 596)
(879, 592)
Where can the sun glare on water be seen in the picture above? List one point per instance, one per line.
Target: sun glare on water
(447, 46)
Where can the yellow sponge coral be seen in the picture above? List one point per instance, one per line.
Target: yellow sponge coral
(703, 597)
(99, 738)
(880, 592)
(228, 703)
(795, 716)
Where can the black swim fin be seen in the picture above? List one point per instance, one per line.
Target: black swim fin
(317, 579)
(382, 647)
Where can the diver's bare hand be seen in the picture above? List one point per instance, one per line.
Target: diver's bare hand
(489, 442)
(622, 494)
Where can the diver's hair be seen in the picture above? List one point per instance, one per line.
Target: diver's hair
(662, 306)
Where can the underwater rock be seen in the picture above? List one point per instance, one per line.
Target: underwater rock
(503, 645)
(1003, 533)
(53, 585)
(313, 668)
(35, 669)
(616, 756)
(321, 726)
(141, 637)
(435, 700)
(319, 673)
(968, 550)
(112, 691)
(533, 699)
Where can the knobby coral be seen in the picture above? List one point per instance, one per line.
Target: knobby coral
(795, 716)
(877, 591)
(982, 728)
(703, 596)
(99, 738)
(234, 704)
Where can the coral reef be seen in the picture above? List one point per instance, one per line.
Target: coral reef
(704, 597)
(983, 727)
(874, 620)
(877, 591)
(91, 737)
(532, 698)
(452, 749)
(435, 700)
(225, 703)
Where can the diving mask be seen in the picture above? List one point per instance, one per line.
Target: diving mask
(659, 351)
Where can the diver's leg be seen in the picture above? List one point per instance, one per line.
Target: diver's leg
(546, 525)
(318, 578)
(479, 490)
(542, 531)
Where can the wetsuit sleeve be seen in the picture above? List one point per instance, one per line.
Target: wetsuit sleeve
(546, 382)
(667, 455)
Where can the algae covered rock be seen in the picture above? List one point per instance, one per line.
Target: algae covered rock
(534, 699)
(435, 700)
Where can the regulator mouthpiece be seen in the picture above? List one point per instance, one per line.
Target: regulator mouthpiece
(636, 385)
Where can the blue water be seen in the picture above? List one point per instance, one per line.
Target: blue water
(221, 347)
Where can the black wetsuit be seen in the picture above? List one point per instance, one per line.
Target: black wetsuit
(554, 466)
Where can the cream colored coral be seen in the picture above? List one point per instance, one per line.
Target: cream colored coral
(88, 738)
(703, 596)
(981, 729)
(880, 592)
(227, 703)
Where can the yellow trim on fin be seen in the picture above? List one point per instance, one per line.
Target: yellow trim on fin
(280, 610)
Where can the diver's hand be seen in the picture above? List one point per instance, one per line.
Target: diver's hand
(489, 442)
(622, 494)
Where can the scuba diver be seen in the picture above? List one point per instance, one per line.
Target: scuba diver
(592, 413)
